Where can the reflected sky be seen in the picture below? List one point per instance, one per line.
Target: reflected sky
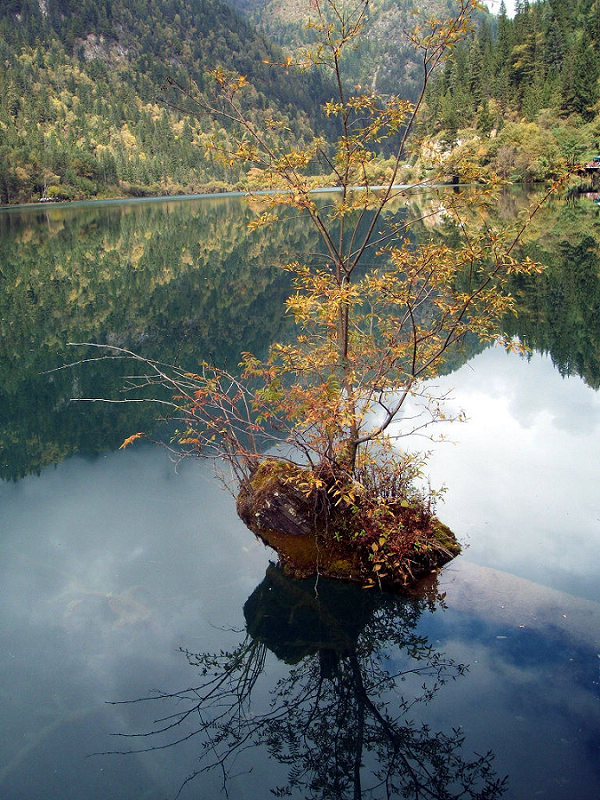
(522, 473)
(109, 565)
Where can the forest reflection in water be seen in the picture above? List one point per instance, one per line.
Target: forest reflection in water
(178, 281)
(342, 720)
(183, 280)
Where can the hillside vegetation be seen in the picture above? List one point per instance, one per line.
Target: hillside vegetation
(521, 97)
(83, 114)
(80, 95)
(386, 61)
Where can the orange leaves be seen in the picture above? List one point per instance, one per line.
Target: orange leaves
(130, 440)
(191, 440)
(231, 82)
(525, 267)
(332, 109)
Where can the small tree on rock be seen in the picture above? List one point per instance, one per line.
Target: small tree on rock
(310, 431)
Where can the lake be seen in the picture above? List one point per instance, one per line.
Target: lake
(150, 646)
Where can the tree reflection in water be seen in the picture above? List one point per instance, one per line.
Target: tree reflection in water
(337, 720)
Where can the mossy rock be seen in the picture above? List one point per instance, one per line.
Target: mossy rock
(312, 534)
(283, 516)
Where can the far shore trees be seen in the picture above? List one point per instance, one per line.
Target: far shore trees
(312, 431)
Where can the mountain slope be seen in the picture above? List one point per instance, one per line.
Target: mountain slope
(385, 61)
(523, 97)
(80, 94)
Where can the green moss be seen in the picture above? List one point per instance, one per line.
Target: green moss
(444, 537)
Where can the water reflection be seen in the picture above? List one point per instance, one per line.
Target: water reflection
(178, 281)
(182, 281)
(109, 565)
(559, 311)
(523, 474)
(341, 721)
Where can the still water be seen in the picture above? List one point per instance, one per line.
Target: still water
(124, 578)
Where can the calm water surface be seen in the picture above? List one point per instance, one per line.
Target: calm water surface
(124, 578)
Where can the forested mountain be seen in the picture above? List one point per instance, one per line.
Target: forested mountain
(82, 111)
(523, 94)
(80, 89)
(385, 62)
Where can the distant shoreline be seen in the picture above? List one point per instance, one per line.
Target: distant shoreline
(213, 195)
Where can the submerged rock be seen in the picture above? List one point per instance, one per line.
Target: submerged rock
(388, 543)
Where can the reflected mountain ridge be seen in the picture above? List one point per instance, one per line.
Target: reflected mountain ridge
(176, 281)
(559, 312)
(182, 281)
(343, 719)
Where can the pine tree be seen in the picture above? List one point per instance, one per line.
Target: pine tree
(580, 80)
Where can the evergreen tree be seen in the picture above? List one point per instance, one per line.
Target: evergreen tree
(580, 80)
